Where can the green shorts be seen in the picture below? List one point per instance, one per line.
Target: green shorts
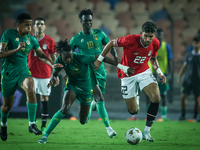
(163, 88)
(102, 84)
(82, 98)
(10, 84)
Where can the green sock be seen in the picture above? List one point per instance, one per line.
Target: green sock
(54, 122)
(89, 114)
(4, 118)
(32, 109)
(164, 111)
(103, 113)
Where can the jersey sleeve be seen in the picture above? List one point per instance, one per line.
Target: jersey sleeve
(5, 37)
(87, 59)
(52, 49)
(58, 60)
(156, 48)
(35, 43)
(169, 52)
(105, 38)
(72, 43)
(125, 41)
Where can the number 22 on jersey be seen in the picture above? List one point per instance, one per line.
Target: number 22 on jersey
(139, 60)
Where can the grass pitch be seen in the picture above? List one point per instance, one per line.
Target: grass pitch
(71, 135)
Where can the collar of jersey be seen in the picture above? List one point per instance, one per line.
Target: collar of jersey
(87, 34)
(141, 42)
(40, 38)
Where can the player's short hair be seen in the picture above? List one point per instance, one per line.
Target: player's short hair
(149, 27)
(40, 18)
(23, 16)
(85, 12)
(62, 46)
(196, 39)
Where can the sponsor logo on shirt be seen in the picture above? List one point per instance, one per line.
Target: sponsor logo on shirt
(28, 41)
(135, 53)
(44, 47)
(17, 39)
(82, 40)
(150, 53)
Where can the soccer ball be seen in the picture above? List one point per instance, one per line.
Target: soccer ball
(133, 136)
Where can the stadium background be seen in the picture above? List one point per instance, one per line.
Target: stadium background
(178, 18)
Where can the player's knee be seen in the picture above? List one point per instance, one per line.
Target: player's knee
(155, 98)
(133, 110)
(7, 107)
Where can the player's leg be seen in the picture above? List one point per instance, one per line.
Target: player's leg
(68, 99)
(5, 108)
(28, 86)
(183, 106)
(44, 111)
(98, 96)
(153, 93)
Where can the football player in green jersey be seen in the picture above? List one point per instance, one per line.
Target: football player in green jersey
(79, 83)
(90, 42)
(16, 44)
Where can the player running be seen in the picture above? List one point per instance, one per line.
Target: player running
(80, 81)
(90, 42)
(137, 51)
(16, 44)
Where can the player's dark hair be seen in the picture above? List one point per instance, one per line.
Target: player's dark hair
(23, 16)
(62, 46)
(85, 12)
(40, 18)
(149, 27)
(196, 39)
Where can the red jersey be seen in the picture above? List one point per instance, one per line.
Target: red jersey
(37, 67)
(135, 54)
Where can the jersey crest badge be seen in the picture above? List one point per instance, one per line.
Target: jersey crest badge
(150, 53)
(95, 36)
(44, 47)
(28, 41)
(82, 40)
(17, 39)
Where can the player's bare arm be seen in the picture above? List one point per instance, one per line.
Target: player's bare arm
(53, 79)
(181, 72)
(53, 58)
(5, 53)
(113, 51)
(105, 51)
(46, 60)
(156, 66)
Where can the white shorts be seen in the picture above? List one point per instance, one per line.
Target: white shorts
(41, 86)
(130, 85)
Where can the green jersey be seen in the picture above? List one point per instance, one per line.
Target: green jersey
(78, 72)
(91, 45)
(16, 63)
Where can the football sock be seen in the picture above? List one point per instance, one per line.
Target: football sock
(151, 114)
(163, 111)
(32, 109)
(89, 114)
(183, 111)
(44, 113)
(147, 107)
(103, 113)
(4, 118)
(54, 122)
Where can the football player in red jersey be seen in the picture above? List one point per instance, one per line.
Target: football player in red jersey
(40, 71)
(137, 51)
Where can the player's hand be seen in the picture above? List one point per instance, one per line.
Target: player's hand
(57, 82)
(51, 82)
(97, 64)
(163, 78)
(58, 65)
(21, 46)
(130, 71)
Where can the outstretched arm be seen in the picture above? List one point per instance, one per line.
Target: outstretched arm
(45, 59)
(5, 53)
(127, 70)
(53, 79)
(106, 49)
(113, 51)
(156, 66)
(181, 72)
